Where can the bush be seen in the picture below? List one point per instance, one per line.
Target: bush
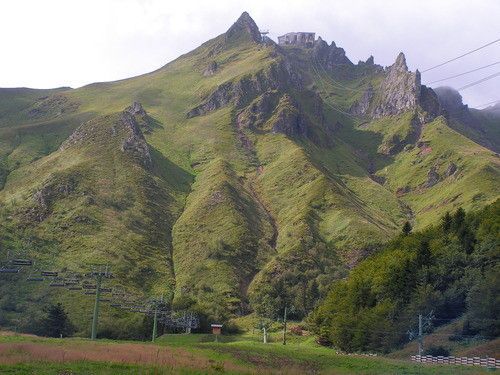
(436, 351)
(296, 330)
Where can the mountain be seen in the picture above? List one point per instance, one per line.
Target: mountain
(239, 176)
(479, 125)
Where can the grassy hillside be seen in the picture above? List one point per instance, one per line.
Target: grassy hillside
(90, 202)
(260, 186)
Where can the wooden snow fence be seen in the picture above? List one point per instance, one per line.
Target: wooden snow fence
(464, 361)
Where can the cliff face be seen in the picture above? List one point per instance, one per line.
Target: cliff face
(330, 56)
(400, 91)
(134, 144)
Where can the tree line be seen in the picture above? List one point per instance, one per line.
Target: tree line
(450, 269)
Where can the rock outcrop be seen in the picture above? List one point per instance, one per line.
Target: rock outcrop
(244, 27)
(136, 109)
(217, 99)
(432, 178)
(59, 187)
(429, 102)
(210, 69)
(329, 56)
(53, 106)
(278, 76)
(254, 115)
(288, 119)
(280, 113)
(123, 128)
(453, 106)
(135, 145)
(362, 106)
(450, 171)
(399, 92)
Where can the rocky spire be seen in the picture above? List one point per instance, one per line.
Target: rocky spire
(400, 90)
(244, 27)
(400, 63)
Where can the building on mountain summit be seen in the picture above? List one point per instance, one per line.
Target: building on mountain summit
(302, 39)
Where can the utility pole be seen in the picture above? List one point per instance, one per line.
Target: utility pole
(284, 327)
(155, 319)
(99, 273)
(155, 322)
(420, 336)
(424, 324)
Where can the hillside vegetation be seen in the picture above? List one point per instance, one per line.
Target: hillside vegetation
(449, 270)
(241, 176)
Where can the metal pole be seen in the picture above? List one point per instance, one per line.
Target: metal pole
(155, 322)
(96, 306)
(284, 328)
(420, 337)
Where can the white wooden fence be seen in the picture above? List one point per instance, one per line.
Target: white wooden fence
(465, 361)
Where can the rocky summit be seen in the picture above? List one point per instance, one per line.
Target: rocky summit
(242, 175)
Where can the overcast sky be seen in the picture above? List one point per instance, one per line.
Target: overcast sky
(53, 43)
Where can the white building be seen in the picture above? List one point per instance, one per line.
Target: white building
(302, 39)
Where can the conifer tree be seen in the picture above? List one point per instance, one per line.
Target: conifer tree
(57, 323)
(407, 228)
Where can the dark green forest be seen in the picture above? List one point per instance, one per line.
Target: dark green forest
(449, 270)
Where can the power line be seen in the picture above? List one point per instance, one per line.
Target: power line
(487, 104)
(333, 82)
(464, 73)
(479, 81)
(459, 57)
(322, 82)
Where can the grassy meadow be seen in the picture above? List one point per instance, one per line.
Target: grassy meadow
(195, 354)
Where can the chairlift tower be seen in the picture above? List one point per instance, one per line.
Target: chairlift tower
(263, 34)
(99, 272)
(156, 304)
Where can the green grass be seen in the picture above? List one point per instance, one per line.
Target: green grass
(232, 354)
(471, 187)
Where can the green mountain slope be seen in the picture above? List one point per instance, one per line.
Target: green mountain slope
(252, 173)
(447, 271)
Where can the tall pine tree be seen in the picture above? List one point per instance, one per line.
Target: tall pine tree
(57, 323)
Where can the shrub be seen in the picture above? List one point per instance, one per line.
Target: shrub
(296, 330)
(436, 351)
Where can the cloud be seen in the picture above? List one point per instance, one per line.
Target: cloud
(54, 42)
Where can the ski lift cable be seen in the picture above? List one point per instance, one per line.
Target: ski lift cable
(487, 78)
(464, 73)
(459, 57)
